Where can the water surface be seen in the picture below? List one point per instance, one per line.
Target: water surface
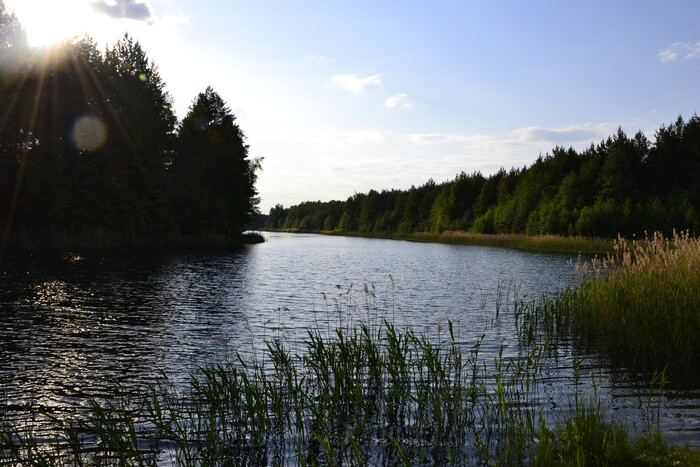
(78, 326)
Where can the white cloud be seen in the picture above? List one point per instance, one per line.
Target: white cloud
(564, 136)
(520, 147)
(527, 136)
(353, 83)
(428, 139)
(667, 55)
(350, 138)
(399, 100)
(679, 51)
(319, 58)
(412, 160)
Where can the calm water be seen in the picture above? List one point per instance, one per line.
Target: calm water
(76, 327)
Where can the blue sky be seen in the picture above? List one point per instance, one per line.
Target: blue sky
(343, 97)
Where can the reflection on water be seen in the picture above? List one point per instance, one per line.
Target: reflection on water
(79, 326)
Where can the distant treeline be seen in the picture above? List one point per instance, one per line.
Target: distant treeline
(89, 142)
(622, 186)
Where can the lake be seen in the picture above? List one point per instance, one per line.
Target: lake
(81, 325)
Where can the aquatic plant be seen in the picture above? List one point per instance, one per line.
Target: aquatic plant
(544, 243)
(541, 243)
(362, 396)
(642, 303)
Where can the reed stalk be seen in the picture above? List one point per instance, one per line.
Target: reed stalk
(642, 304)
(363, 396)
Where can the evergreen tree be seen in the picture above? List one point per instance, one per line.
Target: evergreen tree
(14, 53)
(142, 124)
(621, 186)
(213, 175)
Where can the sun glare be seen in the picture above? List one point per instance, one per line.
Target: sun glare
(50, 22)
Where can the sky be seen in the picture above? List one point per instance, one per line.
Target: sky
(342, 97)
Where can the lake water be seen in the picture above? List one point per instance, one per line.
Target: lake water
(75, 327)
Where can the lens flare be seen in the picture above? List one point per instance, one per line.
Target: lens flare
(89, 133)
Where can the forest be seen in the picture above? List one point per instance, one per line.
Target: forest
(90, 143)
(620, 186)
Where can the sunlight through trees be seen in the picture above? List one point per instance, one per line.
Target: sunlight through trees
(89, 142)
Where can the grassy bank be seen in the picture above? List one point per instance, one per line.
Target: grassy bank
(542, 243)
(641, 304)
(360, 396)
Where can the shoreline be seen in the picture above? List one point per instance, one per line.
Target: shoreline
(539, 243)
(25, 241)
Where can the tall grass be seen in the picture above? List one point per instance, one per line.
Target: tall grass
(363, 396)
(540, 243)
(543, 243)
(642, 303)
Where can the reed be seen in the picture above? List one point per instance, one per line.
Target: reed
(543, 243)
(364, 395)
(642, 303)
(540, 243)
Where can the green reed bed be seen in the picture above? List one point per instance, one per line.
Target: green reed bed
(642, 304)
(541, 243)
(360, 396)
(588, 437)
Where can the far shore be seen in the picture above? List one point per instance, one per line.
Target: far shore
(541, 243)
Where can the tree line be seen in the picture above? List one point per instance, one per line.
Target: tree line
(623, 185)
(89, 141)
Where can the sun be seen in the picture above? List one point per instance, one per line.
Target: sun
(50, 22)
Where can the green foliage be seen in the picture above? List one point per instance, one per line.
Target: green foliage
(213, 177)
(89, 143)
(587, 438)
(13, 42)
(622, 186)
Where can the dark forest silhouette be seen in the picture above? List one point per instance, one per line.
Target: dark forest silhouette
(622, 186)
(89, 142)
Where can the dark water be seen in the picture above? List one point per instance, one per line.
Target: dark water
(78, 326)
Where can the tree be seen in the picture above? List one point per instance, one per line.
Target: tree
(276, 218)
(369, 211)
(142, 126)
(214, 178)
(620, 186)
(621, 173)
(13, 41)
(13, 55)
